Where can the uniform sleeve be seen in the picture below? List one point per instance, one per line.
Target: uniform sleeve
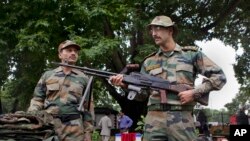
(37, 102)
(214, 79)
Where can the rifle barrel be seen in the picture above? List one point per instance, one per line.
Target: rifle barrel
(88, 71)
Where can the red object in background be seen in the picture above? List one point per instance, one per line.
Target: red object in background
(233, 120)
(128, 136)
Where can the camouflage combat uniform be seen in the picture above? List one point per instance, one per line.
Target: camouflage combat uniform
(172, 121)
(60, 94)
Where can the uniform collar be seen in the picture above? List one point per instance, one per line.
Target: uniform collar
(59, 69)
(176, 49)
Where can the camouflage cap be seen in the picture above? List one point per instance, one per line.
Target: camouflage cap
(162, 21)
(68, 43)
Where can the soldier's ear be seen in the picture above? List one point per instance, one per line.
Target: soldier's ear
(59, 55)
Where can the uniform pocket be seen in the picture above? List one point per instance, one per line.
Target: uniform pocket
(52, 90)
(53, 87)
(75, 93)
(76, 89)
(184, 73)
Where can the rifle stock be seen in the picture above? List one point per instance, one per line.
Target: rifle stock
(139, 81)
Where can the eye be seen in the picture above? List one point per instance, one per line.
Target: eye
(72, 49)
(155, 29)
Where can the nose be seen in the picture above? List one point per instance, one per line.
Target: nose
(153, 32)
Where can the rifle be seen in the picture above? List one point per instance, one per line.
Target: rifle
(137, 82)
(86, 92)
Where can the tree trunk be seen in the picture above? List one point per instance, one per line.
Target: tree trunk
(131, 108)
(15, 104)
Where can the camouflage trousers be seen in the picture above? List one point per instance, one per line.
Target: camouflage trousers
(170, 126)
(71, 130)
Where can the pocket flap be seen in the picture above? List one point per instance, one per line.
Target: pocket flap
(53, 87)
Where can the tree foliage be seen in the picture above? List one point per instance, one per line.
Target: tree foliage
(111, 33)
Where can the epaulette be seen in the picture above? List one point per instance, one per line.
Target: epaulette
(152, 54)
(190, 48)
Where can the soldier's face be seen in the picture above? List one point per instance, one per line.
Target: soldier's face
(69, 55)
(160, 34)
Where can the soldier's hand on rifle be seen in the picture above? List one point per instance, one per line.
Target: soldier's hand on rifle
(186, 96)
(117, 80)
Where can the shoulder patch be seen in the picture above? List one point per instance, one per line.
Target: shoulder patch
(190, 48)
(152, 54)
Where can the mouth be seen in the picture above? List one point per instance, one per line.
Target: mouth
(157, 39)
(72, 58)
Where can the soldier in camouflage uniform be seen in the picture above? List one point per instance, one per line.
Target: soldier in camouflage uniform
(59, 93)
(169, 116)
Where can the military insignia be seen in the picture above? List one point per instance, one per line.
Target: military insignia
(151, 67)
(156, 71)
(190, 48)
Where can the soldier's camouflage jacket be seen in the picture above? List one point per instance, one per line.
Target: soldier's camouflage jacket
(58, 93)
(181, 66)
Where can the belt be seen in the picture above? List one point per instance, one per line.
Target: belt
(67, 117)
(167, 107)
